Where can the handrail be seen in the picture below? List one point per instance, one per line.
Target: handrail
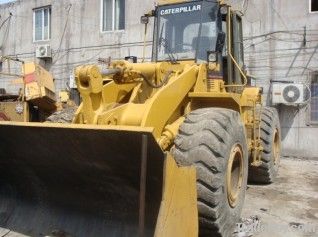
(230, 53)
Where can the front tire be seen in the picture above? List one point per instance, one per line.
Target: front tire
(213, 140)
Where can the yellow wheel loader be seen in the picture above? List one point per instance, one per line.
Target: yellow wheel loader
(36, 98)
(155, 149)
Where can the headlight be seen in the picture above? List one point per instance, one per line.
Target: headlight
(212, 56)
(223, 9)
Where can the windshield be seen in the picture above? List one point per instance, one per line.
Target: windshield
(186, 31)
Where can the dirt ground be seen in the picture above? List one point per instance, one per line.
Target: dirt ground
(289, 207)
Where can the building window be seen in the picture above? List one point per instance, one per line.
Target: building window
(314, 99)
(113, 15)
(42, 23)
(313, 5)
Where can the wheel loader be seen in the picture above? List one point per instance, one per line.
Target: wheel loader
(36, 98)
(162, 148)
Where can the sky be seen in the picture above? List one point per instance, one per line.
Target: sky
(5, 1)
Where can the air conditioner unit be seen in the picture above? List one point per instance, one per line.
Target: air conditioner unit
(43, 51)
(289, 94)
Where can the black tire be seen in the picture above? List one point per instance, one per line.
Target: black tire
(205, 140)
(270, 157)
(63, 116)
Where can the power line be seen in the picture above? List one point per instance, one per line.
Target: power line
(272, 33)
(92, 47)
(277, 50)
(279, 16)
(64, 30)
(8, 18)
(275, 56)
(311, 56)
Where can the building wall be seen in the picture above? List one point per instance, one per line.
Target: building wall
(275, 32)
(76, 36)
(273, 39)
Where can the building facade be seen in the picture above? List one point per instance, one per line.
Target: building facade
(77, 32)
(280, 42)
(281, 45)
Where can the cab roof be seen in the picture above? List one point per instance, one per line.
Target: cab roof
(167, 2)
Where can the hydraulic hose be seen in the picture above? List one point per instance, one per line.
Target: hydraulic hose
(162, 83)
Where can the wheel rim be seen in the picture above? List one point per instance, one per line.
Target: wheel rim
(234, 174)
(276, 148)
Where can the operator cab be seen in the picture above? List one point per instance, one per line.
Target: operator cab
(198, 31)
(186, 31)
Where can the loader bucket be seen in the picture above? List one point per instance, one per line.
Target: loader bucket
(71, 180)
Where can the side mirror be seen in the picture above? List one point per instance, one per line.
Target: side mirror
(144, 20)
(224, 10)
(220, 41)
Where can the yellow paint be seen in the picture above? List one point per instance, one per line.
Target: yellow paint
(64, 96)
(78, 126)
(166, 101)
(178, 215)
(250, 95)
(8, 111)
(43, 85)
(38, 89)
(169, 133)
(39, 86)
(129, 101)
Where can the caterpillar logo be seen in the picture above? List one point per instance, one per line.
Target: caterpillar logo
(178, 10)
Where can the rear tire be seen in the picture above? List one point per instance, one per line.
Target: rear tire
(270, 141)
(213, 140)
(63, 116)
